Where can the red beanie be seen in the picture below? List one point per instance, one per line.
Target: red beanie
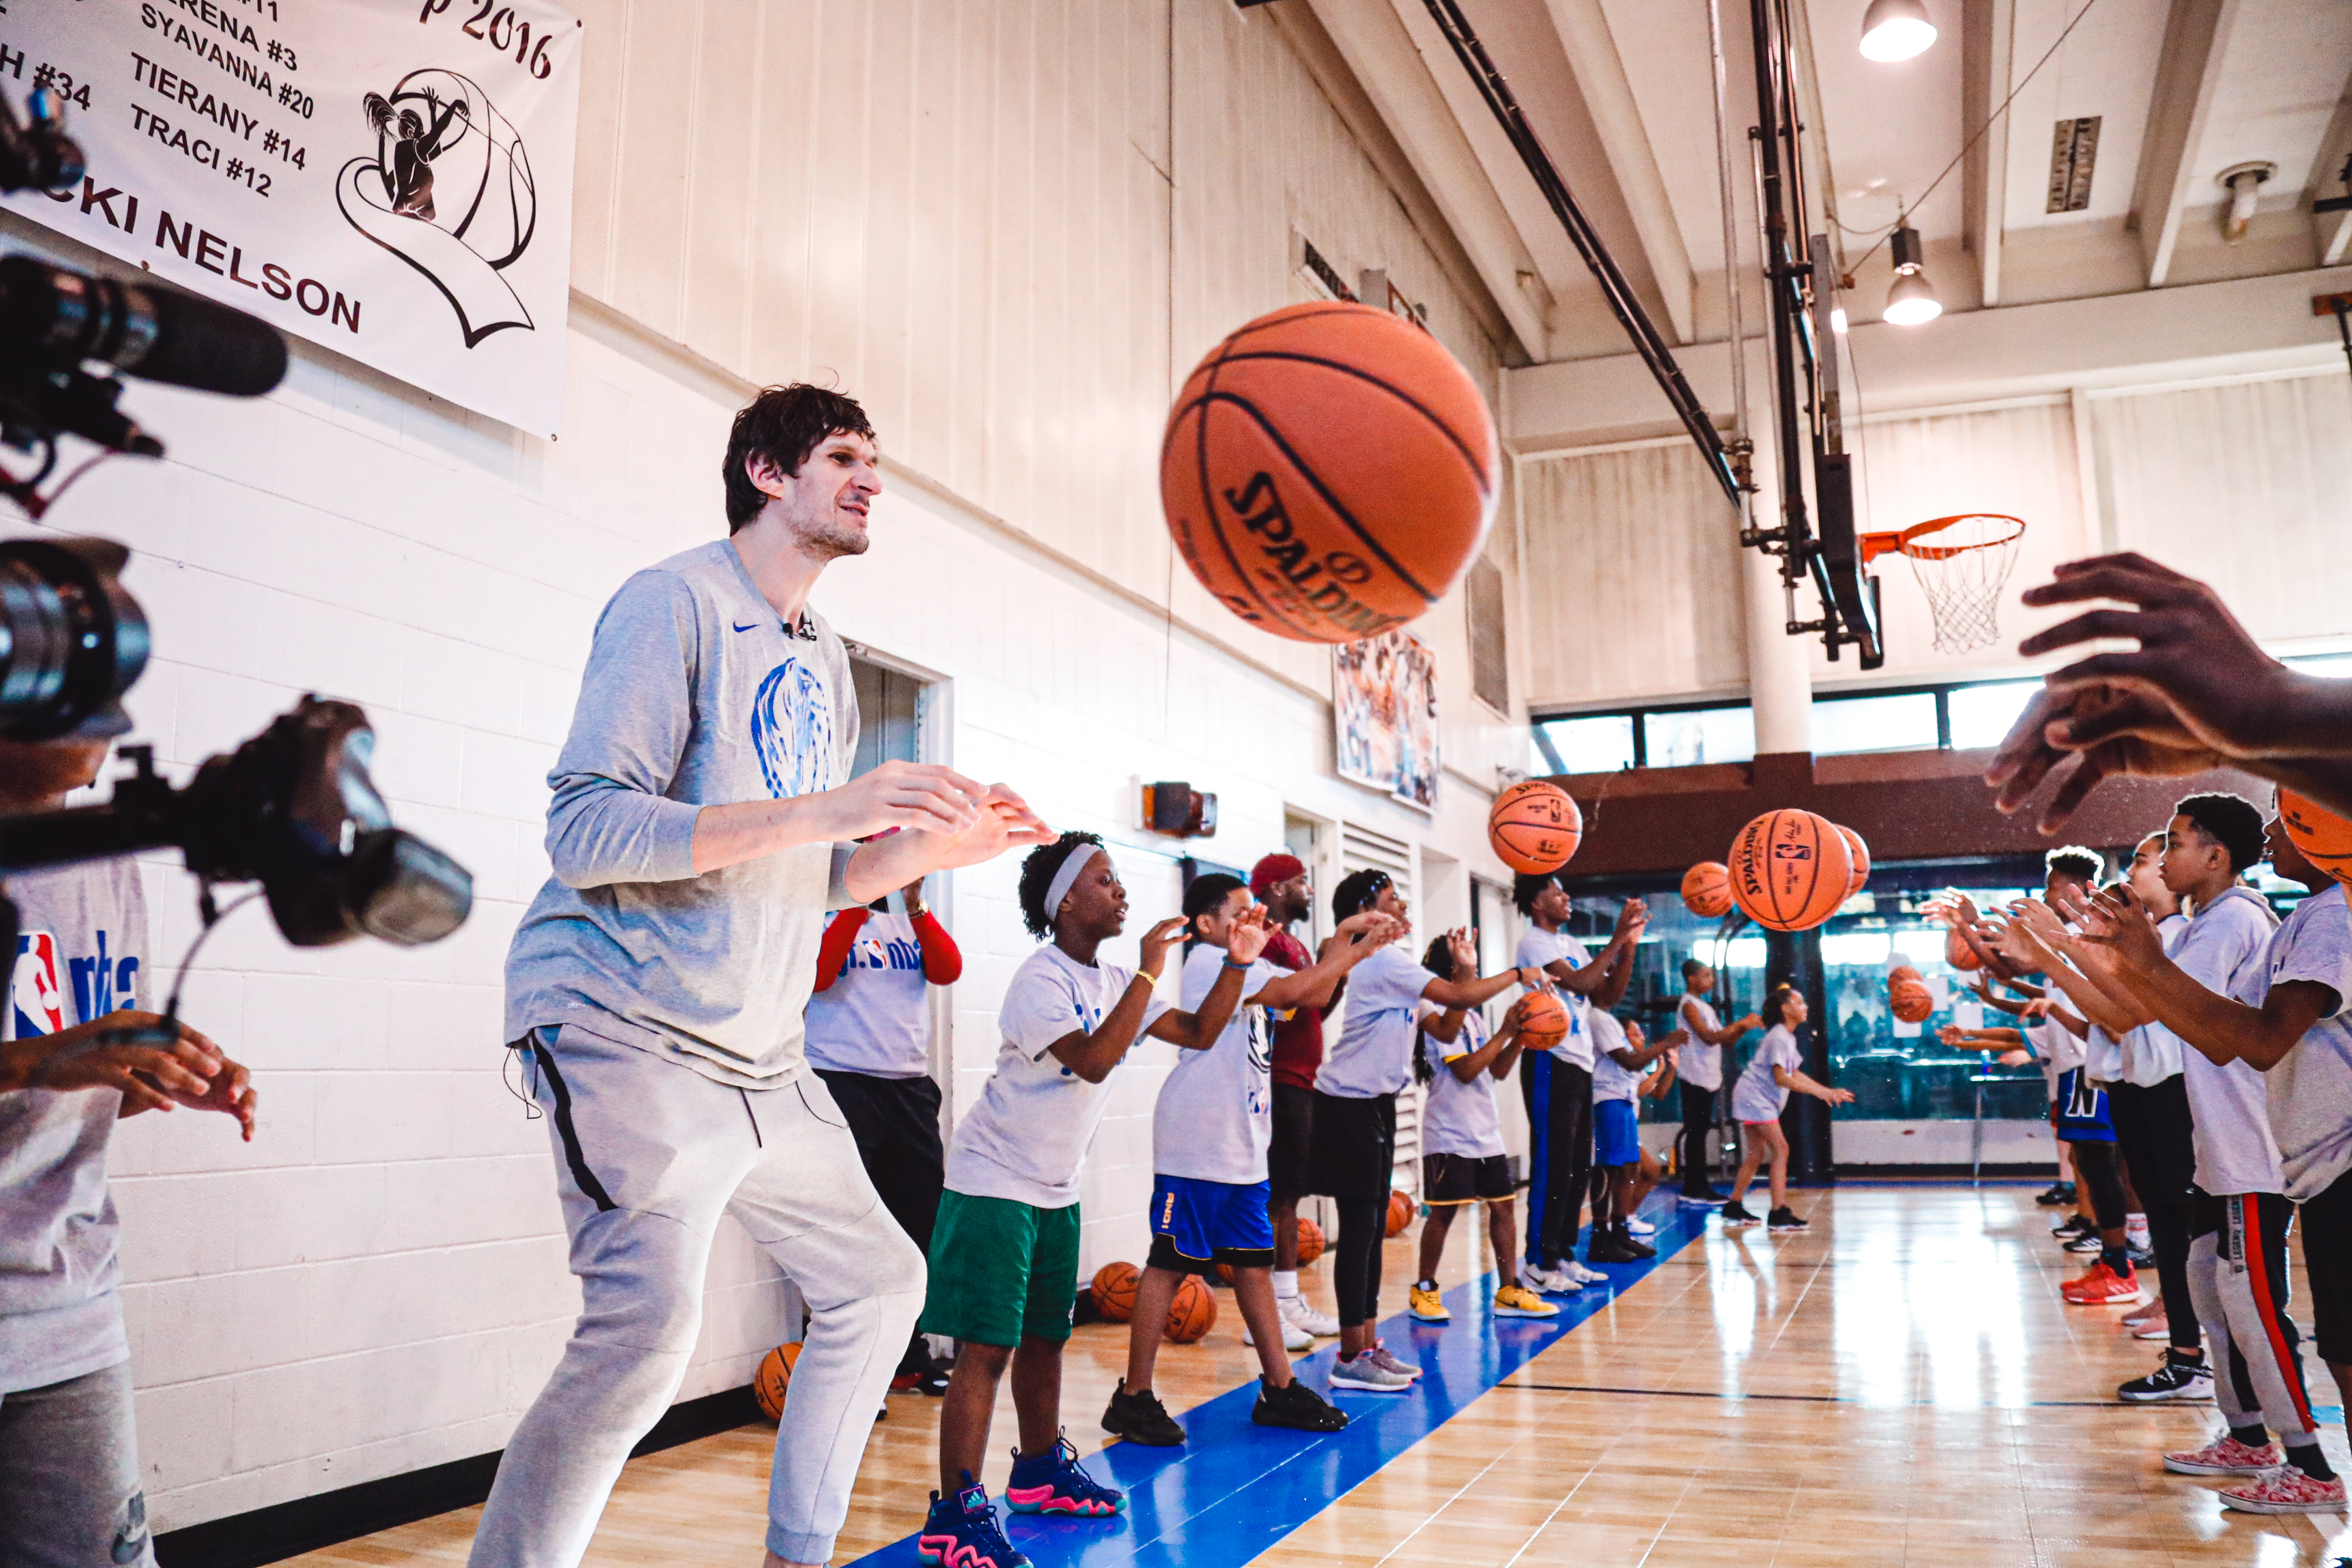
(1275, 868)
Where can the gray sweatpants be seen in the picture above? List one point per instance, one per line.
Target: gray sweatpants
(648, 1154)
(69, 1495)
(2237, 1277)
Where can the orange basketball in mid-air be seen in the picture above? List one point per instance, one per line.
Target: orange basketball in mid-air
(1707, 889)
(1958, 952)
(1910, 999)
(1310, 1241)
(1904, 972)
(1194, 1312)
(1859, 852)
(1543, 1021)
(773, 1378)
(2324, 838)
(1534, 827)
(1789, 870)
(1401, 1207)
(1330, 471)
(1114, 1290)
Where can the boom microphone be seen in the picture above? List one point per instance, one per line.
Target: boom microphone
(62, 318)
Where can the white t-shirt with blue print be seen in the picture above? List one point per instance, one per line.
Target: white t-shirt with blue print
(1537, 950)
(1028, 1135)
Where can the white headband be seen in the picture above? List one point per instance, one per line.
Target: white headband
(1067, 878)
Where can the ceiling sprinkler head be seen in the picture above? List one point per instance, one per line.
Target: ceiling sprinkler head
(2245, 183)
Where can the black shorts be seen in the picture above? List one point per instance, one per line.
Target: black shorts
(2155, 1136)
(896, 1121)
(1355, 1146)
(2328, 1263)
(1451, 1179)
(1290, 1159)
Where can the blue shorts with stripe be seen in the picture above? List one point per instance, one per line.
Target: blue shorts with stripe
(1198, 1224)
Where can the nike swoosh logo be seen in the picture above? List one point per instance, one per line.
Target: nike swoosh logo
(752, 628)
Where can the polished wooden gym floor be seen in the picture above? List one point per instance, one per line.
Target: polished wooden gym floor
(1900, 1386)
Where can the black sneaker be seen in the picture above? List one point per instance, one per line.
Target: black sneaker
(2172, 1379)
(2088, 1242)
(962, 1530)
(2081, 1225)
(1736, 1214)
(1785, 1218)
(1141, 1418)
(1296, 1406)
(1626, 1248)
(1610, 1247)
(2059, 1192)
(2141, 1257)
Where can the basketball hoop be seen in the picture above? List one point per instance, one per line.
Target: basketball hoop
(1961, 569)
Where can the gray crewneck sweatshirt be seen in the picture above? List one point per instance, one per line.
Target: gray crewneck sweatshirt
(696, 694)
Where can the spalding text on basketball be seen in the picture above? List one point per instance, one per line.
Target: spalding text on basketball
(1293, 580)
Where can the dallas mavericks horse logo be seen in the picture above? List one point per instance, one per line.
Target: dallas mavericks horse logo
(792, 729)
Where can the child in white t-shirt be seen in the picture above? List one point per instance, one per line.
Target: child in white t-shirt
(1462, 1157)
(1621, 1059)
(1004, 1252)
(1210, 1133)
(1757, 1099)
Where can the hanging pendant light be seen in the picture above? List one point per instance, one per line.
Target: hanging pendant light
(1912, 300)
(1897, 31)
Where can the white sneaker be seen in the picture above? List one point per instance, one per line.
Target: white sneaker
(1641, 1226)
(1366, 1372)
(1299, 1314)
(1557, 1283)
(1581, 1274)
(1294, 1337)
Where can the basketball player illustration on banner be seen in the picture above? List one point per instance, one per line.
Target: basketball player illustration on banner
(449, 191)
(1384, 706)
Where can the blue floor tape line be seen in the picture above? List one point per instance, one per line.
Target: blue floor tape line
(1235, 1488)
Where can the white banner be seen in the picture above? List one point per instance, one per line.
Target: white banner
(389, 178)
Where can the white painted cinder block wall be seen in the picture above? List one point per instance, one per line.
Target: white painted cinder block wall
(377, 1283)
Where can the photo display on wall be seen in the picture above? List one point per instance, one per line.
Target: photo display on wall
(391, 181)
(1384, 706)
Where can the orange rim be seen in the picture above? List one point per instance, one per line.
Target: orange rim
(1874, 545)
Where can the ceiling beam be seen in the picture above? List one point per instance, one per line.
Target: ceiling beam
(1583, 30)
(1988, 35)
(2188, 78)
(1385, 62)
(2332, 230)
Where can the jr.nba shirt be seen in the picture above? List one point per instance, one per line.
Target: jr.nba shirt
(81, 953)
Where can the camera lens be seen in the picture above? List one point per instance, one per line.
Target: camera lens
(71, 640)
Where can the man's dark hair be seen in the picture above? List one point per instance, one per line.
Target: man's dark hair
(1357, 891)
(1037, 876)
(2231, 821)
(1526, 887)
(1692, 966)
(2075, 862)
(783, 425)
(1202, 896)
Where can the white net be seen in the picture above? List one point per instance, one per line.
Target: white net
(1961, 564)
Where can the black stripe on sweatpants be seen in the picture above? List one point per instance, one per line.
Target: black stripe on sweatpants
(581, 1177)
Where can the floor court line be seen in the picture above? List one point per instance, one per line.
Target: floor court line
(1234, 1490)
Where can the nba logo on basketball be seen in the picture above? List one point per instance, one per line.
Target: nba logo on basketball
(1790, 852)
(36, 989)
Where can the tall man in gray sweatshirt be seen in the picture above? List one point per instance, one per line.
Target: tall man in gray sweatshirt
(703, 827)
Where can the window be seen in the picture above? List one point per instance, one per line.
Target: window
(1694, 735)
(2335, 666)
(1601, 744)
(1490, 665)
(1905, 721)
(1981, 715)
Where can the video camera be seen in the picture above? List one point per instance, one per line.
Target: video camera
(293, 808)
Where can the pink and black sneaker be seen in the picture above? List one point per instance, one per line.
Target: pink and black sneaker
(2286, 1489)
(962, 1531)
(2225, 1456)
(1052, 1482)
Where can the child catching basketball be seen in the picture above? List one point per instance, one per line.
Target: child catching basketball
(1463, 1160)
(1004, 1253)
(1210, 1133)
(1621, 1059)
(1759, 1097)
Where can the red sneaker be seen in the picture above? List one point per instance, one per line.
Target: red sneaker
(2285, 1490)
(2102, 1286)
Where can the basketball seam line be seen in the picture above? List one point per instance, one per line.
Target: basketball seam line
(1315, 481)
(1478, 474)
(1198, 409)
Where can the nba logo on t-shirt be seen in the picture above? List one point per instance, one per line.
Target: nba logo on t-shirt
(36, 989)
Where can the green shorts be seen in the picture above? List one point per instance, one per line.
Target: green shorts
(1002, 1271)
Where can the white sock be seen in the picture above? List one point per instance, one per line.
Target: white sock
(2135, 1229)
(1286, 1282)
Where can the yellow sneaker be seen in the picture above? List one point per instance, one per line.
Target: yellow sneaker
(1515, 1302)
(1429, 1307)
